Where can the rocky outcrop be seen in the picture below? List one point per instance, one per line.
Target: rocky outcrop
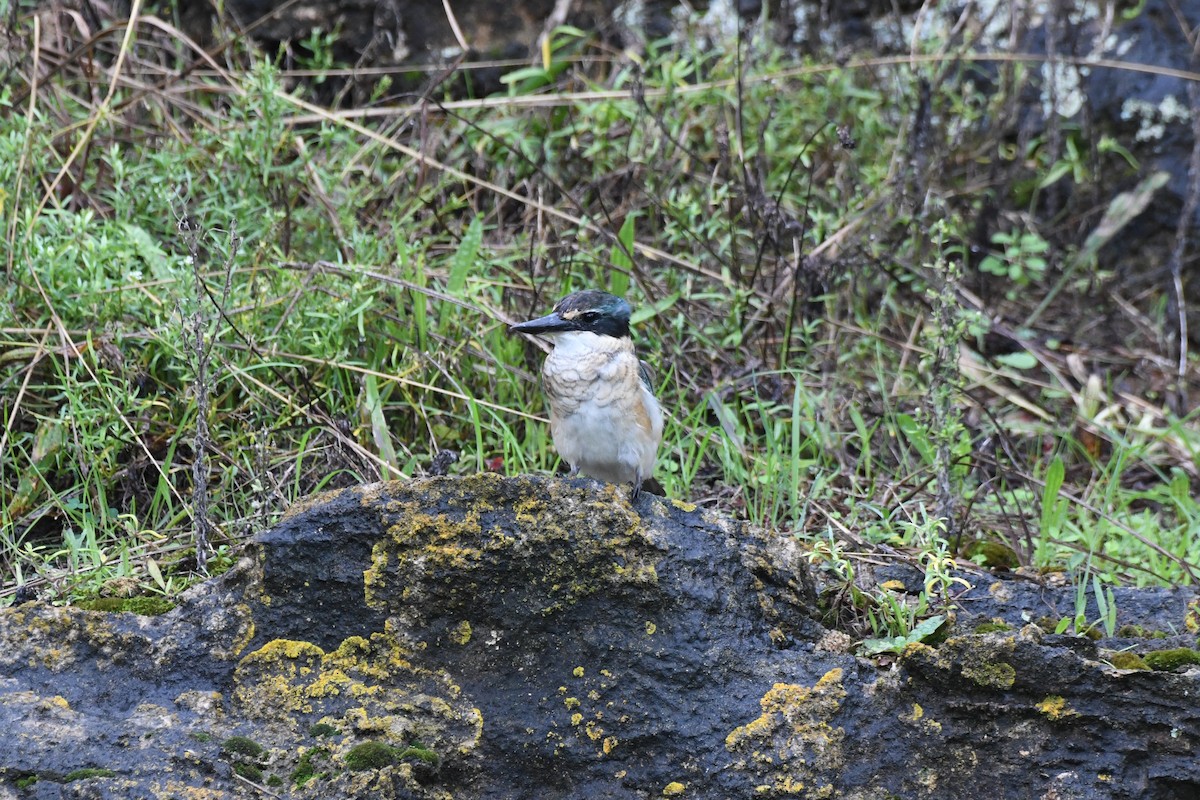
(516, 638)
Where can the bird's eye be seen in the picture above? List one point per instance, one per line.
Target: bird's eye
(589, 316)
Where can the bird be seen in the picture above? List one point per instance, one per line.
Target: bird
(604, 418)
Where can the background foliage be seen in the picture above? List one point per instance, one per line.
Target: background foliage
(221, 294)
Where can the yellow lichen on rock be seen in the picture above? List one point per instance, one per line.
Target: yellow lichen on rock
(918, 720)
(998, 675)
(461, 633)
(298, 507)
(366, 687)
(1056, 708)
(443, 555)
(793, 741)
(984, 660)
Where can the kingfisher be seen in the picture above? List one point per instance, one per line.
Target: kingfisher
(604, 418)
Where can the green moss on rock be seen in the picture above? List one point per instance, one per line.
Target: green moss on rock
(370, 755)
(84, 774)
(420, 753)
(451, 533)
(1133, 632)
(983, 660)
(1166, 660)
(322, 729)
(242, 746)
(306, 769)
(249, 771)
(1126, 660)
(145, 606)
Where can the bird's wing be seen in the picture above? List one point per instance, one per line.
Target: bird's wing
(646, 376)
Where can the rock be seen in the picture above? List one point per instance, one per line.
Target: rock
(488, 637)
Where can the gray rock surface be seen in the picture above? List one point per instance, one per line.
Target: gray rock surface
(517, 638)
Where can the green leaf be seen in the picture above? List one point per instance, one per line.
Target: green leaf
(1057, 171)
(644, 312)
(1180, 488)
(1050, 504)
(926, 628)
(916, 436)
(1021, 360)
(1101, 599)
(896, 644)
(147, 250)
(525, 73)
(620, 257)
(994, 266)
(892, 644)
(380, 433)
(465, 257)
(155, 573)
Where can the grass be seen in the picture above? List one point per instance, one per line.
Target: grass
(340, 288)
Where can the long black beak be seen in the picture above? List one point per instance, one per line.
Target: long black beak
(551, 323)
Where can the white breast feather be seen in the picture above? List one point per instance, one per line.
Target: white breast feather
(595, 430)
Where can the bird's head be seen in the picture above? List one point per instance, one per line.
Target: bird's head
(589, 311)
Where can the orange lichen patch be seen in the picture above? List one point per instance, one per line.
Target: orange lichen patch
(793, 743)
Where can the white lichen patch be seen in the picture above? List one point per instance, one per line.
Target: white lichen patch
(1153, 118)
(1062, 89)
